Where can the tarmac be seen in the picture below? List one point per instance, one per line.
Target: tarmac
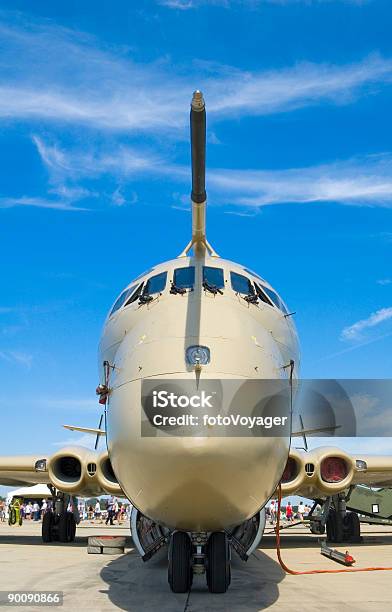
(124, 582)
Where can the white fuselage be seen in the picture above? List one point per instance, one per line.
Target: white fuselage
(200, 483)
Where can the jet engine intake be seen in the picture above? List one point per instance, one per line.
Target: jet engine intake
(321, 471)
(106, 476)
(74, 470)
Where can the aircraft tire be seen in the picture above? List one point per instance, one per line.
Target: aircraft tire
(72, 528)
(352, 526)
(180, 569)
(335, 527)
(47, 527)
(218, 563)
(66, 527)
(317, 528)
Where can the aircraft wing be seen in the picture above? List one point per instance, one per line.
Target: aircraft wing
(326, 471)
(23, 470)
(74, 470)
(378, 471)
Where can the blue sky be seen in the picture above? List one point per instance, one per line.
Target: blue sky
(94, 188)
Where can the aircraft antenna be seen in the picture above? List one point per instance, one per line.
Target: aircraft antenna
(198, 194)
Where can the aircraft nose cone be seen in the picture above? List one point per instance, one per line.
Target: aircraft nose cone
(204, 479)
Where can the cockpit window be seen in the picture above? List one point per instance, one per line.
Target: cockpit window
(260, 290)
(120, 301)
(155, 284)
(241, 284)
(134, 295)
(275, 298)
(184, 278)
(213, 277)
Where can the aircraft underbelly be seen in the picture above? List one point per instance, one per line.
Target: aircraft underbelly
(192, 483)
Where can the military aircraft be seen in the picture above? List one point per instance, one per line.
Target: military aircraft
(195, 324)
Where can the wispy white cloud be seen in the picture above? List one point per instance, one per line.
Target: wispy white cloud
(11, 330)
(213, 139)
(119, 198)
(80, 162)
(359, 181)
(82, 406)
(17, 357)
(356, 346)
(384, 281)
(357, 446)
(302, 85)
(85, 440)
(39, 203)
(184, 5)
(58, 75)
(355, 331)
(386, 236)
(54, 74)
(365, 181)
(72, 193)
(239, 213)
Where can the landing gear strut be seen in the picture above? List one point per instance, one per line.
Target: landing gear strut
(197, 554)
(58, 524)
(341, 525)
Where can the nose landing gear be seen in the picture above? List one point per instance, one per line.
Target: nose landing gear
(197, 554)
(218, 563)
(180, 572)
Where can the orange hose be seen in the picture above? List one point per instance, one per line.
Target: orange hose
(322, 571)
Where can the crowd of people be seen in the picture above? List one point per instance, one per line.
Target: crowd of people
(106, 511)
(287, 512)
(32, 511)
(113, 510)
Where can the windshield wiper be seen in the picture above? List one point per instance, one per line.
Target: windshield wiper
(145, 298)
(251, 298)
(177, 290)
(211, 288)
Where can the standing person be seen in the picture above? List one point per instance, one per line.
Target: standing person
(37, 511)
(44, 507)
(301, 510)
(28, 510)
(110, 509)
(97, 511)
(2, 511)
(289, 512)
(273, 511)
(81, 510)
